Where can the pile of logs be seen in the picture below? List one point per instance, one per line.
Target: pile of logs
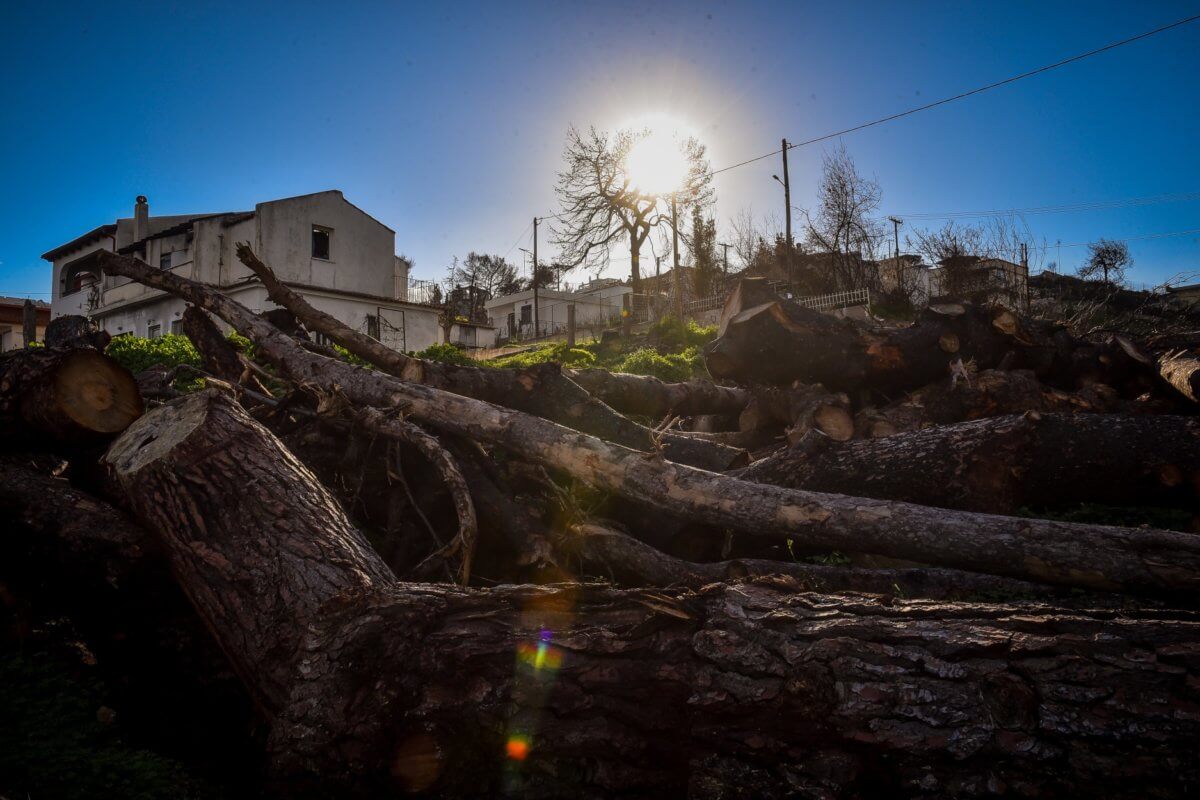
(464, 581)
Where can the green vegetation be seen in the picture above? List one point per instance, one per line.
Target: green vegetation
(669, 350)
(447, 354)
(58, 739)
(136, 353)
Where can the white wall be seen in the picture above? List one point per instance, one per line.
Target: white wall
(362, 250)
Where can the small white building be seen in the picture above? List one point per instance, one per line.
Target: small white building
(338, 257)
(597, 303)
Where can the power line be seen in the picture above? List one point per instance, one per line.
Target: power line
(1101, 205)
(962, 95)
(1139, 238)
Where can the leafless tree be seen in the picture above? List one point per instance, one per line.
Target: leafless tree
(958, 249)
(1108, 260)
(752, 234)
(842, 225)
(493, 274)
(602, 205)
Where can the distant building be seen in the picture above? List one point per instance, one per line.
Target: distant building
(338, 257)
(596, 303)
(12, 322)
(1189, 294)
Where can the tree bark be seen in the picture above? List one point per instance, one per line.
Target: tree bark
(1001, 464)
(377, 686)
(800, 409)
(542, 390)
(74, 396)
(606, 553)
(764, 339)
(1087, 556)
(651, 397)
(216, 354)
(258, 545)
(1181, 369)
(990, 393)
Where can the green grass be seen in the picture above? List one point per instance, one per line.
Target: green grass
(54, 744)
(670, 350)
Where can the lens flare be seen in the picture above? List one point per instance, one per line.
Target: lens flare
(517, 747)
(657, 164)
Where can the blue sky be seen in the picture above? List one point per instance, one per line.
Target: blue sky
(446, 120)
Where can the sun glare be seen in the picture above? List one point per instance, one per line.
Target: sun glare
(656, 164)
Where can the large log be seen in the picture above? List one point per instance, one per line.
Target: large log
(542, 390)
(213, 482)
(607, 553)
(71, 395)
(1087, 556)
(1001, 464)
(777, 341)
(651, 397)
(752, 690)
(991, 393)
(767, 339)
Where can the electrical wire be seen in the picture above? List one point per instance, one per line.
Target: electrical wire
(1102, 205)
(962, 95)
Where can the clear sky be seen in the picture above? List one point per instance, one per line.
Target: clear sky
(446, 120)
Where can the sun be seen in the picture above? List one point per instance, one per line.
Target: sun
(657, 164)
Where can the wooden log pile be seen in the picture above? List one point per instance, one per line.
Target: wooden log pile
(843, 568)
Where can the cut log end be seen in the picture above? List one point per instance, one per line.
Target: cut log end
(835, 422)
(96, 393)
(154, 435)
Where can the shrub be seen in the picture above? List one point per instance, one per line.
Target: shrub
(647, 361)
(136, 353)
(447, 354)
(558, 352)
(669, 335)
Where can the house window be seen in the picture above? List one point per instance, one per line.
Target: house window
(153, 330)
(164, 261)
(176, 326)
(526, 315)
(320, 242)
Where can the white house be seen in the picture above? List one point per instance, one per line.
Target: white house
(338, 257)
(596, 303)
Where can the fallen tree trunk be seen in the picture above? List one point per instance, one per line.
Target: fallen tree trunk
(764, 339)
(1001, 464)
(212, 482)
(1087, 556)
(75, 396)
(217, 355)
(799, 409)
(378, 686)
(542, 390)
(607, 553)
(991, 393)
(651, 397)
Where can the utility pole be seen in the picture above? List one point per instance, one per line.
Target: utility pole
(675, 257)
(786, 183)
(896, 222)
(725, 263)
(787, 213)
(534, 279)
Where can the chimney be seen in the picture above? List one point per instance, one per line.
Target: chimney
(141, 218)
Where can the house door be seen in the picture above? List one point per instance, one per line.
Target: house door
(391, 328)
(512, 325)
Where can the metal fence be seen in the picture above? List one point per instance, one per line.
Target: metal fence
(836, 300)
(821, 302)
